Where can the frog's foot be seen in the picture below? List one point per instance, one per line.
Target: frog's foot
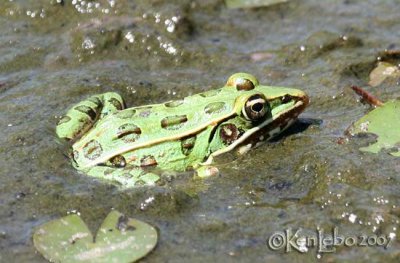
(82, 116)
(207, 171)
(126, 177)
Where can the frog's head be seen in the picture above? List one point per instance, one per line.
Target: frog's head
(271, 109)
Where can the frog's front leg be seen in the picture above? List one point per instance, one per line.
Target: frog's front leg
(129, 176)
(82, 116)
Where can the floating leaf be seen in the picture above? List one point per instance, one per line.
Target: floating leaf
(251, 3)
(119, 239)
(384, 122)
(382, 71)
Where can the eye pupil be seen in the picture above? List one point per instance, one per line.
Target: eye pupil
(257, 107)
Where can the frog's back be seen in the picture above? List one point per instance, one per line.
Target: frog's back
(139, 127)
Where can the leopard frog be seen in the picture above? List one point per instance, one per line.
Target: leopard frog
(121, 144)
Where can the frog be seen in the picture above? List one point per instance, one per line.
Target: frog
(127, 145)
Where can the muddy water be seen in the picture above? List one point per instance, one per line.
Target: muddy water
(56, 53)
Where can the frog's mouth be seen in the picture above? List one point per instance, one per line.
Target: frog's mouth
(283, 116)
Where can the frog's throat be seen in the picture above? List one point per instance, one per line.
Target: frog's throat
(292, 114)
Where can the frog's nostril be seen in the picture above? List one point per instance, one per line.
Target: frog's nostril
(285, 99)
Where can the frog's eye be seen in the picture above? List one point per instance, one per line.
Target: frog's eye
(242, 81)
(255, 108)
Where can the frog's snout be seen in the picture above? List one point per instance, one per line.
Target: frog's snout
(301, 98)
(305, 99)
(301, 102)
(300, 95)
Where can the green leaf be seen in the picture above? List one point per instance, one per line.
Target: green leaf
(251, 3)
(119, 239)
(383, 121)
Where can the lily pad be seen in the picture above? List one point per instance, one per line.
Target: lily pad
(384, 121)
(119, 239)
(251, 3)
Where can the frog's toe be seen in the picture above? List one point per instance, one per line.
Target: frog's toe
(207, 171)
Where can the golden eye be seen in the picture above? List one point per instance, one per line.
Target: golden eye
(242, 81)
(256, 107)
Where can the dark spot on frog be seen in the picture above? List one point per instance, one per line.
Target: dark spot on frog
(215, 107)
(116, 103)
(173, 122)
(87, 110)
(229, 133)
(92, 150)
(148, 160)
(64, 120)
(122, 224)
(129, 132)
(187, 144)
(95, 100)
(126, 114)
(174, 103)
(118, 161)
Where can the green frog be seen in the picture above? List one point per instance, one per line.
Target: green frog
(124, 145)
